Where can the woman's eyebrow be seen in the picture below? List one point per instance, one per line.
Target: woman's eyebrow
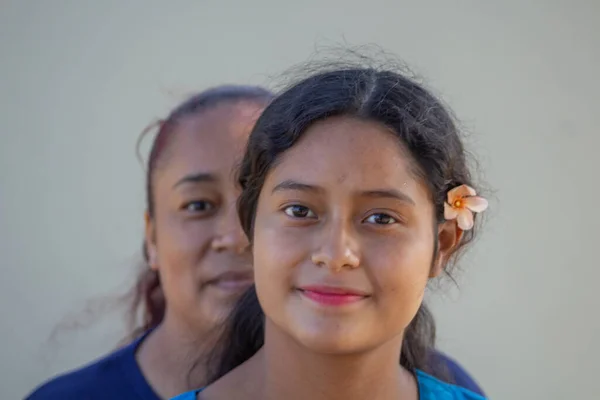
(196, 178)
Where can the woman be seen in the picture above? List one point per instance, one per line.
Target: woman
(193, 242)
(355, 192)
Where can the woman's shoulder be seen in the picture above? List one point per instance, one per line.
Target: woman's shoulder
(108, 377)
(431, 388)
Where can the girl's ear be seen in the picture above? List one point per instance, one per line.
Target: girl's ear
(448, 237)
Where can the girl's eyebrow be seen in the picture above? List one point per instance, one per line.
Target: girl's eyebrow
(376, 193)
(294, 185)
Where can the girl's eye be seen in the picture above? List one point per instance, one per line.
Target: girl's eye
(381, 219)
(297, 211)
(199, 206)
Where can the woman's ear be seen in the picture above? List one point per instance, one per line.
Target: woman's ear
(150, 241)
(448, 239)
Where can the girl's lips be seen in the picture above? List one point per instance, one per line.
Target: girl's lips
(332, 296)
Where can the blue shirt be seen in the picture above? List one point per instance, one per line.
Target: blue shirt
(430, 388)
(118, 376)
(457, 374)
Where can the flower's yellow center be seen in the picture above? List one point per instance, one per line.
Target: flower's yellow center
(458, 204)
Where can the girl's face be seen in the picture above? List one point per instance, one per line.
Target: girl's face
(345, 238)
(194, 238)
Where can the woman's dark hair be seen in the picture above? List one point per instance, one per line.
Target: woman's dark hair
(423, 126)
(146, 297)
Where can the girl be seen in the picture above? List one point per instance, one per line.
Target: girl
(355, 192)
(193, 242)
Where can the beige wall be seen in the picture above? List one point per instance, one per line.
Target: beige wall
(79, 79)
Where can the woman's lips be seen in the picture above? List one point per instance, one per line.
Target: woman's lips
(232, 280)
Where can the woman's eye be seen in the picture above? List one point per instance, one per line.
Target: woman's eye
(198, 206)
(381, 219)
(297, 211)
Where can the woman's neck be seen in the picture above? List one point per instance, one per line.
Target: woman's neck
(172, 357)
(290, 371)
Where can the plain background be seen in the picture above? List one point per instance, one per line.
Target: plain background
(80, 79)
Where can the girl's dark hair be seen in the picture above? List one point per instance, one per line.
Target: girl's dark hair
(423, 126)
(146, 297)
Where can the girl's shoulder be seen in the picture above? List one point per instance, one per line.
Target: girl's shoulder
(431, 388)
(188, 395)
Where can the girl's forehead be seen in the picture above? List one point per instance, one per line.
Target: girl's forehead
(349, 146)
(350, 155)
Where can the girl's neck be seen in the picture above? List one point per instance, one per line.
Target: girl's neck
(291, 371)
(172, 357)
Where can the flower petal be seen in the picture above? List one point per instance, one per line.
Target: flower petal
(459, 192)
(450, 212)
(465, 219)
(476, 203)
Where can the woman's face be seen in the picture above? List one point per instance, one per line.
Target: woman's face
(344, 238)
(194, 238)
